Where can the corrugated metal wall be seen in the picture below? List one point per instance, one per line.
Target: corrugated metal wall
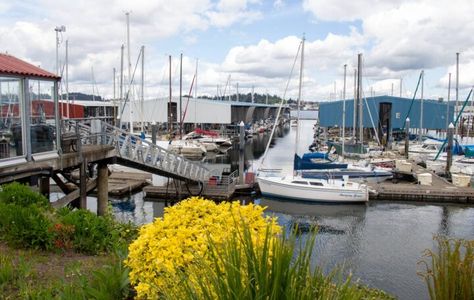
(434, 112)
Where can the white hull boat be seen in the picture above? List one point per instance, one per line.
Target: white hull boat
(187, 148)
(314, 190)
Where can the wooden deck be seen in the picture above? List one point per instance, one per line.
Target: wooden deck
(180, 191)
(440, 190)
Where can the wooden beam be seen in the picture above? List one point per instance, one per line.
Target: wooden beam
(91, 185)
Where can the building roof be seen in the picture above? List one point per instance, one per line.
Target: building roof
(10, 65)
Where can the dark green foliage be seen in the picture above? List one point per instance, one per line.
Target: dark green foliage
(22, 195)
(91, 234)
(25, 226)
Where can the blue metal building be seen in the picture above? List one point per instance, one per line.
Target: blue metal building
(387, 110)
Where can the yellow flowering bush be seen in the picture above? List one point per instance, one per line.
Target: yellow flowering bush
(175, 242)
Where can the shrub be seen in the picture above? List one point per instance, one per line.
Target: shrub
(22, 195)
(449, 273)
(174, 243)
(91, 234)
(26, 227)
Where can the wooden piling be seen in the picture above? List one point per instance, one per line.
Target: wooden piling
(102, 188)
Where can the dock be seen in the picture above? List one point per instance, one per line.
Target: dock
(440, 190)
(121, 183)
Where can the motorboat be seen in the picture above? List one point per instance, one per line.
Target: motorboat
(187, 148)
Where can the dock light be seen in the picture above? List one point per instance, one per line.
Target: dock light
(58, 29)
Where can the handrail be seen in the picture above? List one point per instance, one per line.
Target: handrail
(132, 147)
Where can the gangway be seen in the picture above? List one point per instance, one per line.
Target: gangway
(134, 152)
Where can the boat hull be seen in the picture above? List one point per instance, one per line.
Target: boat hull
(276, 188)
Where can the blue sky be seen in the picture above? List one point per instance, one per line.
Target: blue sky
(252, 41)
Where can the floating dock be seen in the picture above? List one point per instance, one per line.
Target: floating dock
(440, 190)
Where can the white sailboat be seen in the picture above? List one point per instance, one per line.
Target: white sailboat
(308, 189)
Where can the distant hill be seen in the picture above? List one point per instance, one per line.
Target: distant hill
(81, 96)
(258, 98)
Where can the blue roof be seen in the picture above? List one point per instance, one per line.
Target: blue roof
(434, 112)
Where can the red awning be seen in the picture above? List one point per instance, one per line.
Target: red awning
(10, 65)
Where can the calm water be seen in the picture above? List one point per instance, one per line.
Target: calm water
(380, 243)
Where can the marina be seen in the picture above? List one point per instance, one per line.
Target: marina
(378, 176)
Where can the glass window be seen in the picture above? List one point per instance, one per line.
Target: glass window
(42, 116)
(316, 183)
(300, 182)
(11, 138)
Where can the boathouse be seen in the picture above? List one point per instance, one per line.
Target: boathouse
(29, 111)
(388, 112)
(198, 110)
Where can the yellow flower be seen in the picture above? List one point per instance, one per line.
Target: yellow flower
(174, 242)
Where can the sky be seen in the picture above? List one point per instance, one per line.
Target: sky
(249, 43)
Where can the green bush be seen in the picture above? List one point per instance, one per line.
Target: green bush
(22, 195)
(25, 226)
(92, 234)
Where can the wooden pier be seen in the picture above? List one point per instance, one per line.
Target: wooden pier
(440, 190)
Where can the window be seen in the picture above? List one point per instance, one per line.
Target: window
(42, 116)
(316, 183)
(300, 182)
(11, 129)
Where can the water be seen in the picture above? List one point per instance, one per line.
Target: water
(380, 242)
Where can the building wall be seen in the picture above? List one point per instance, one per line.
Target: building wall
(198, 111)
(434, 112)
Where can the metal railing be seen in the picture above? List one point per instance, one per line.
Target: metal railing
(132, 147)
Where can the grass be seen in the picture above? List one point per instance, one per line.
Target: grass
(33, 274)
(449, 272)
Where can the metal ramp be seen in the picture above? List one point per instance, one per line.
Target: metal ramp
(134, 152)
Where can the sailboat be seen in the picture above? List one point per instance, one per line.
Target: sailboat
(310, 189)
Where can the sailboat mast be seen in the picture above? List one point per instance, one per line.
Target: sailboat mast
(344, 110)
(67, 78)
(457, 93)
(354, 116)
(299, 96)
(359, 98)
(421, 104)
(121, 102)
(181, 96)
(127, 14)
(170, 113)
(447, 107)
(143, 90)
